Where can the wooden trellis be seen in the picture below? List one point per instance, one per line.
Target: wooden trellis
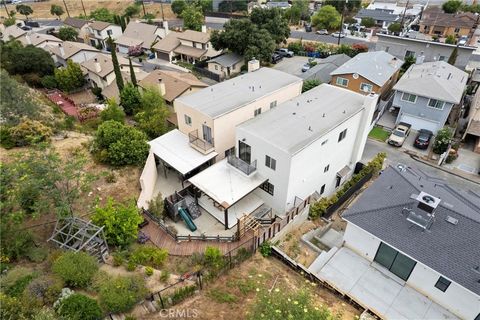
(76, 234)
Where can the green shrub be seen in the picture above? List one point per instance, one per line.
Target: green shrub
(182, 293)
(157, 206)
(266, 248)
(45, 314)
(112, 112)
(222, 296)
(6, 139)
(164, 275)
(120, 294)
(442, 140)
(147, 255)
(110, 177)
(131, 266)
(16, 280)
(148, 271)
(213, 257)
(11, 308)
(118, 258)
(79, 307)
(37, 255)
(296, 47)
(49, 82)
(44, 290)
(29, 132)
(75, 268)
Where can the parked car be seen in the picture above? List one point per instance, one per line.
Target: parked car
(398, 136)
(306, 67)
(284, 52)
(338, 34)
(276, 58)
(26, 28)
(322, 31)
(423, 139)
(33, 24)
(463, 41)
(308, 28)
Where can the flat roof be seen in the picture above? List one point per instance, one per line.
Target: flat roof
(225, 184)
(174, 148)
(296, 123)
(232, 94)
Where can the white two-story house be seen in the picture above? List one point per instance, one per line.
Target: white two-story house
(99, 32)
(68, 50)
(427, 93)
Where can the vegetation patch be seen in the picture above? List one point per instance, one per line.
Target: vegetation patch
(379, 134)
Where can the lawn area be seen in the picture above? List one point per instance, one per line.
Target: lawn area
(378, 133)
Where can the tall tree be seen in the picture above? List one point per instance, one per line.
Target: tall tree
(70, 77)
(17, 59)
(178, 6)
(453, 57)
(153, 118)
(130, 99)
(116, 66)
(273, 21)
(341, 5)
(451, 6)
(24, 9)
(56, 10)
(68, 33)
(193, 17)
(326, 18)
(132, 73)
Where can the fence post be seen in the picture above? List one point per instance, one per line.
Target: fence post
(230, 259)
(161, 300)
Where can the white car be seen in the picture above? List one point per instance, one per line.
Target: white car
(16, 1)
(338, 35)
(322, 31)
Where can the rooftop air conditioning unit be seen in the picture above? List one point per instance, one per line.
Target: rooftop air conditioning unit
(427, 202)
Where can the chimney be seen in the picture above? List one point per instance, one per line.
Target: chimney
(393, 62)
(28, 39)
(253, 65)
(165, 26)
(204, 28)
(420, 59)
(62, 51)
(161, 87)
(98, 68)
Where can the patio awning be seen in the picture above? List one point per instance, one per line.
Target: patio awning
(344, 172)
(225, 184)
(174, 149)
(190, 51)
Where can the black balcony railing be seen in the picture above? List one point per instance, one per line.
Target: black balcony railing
(199, 142)
(247, 168)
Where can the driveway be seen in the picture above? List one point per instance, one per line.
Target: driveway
(291, 65)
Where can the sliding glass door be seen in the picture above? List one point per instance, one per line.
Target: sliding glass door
(399, 264)
(244, 151)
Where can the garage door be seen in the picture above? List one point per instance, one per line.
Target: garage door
(163, 56)
(420, 123)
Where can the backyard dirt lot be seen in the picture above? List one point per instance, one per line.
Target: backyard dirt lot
(241, 285)
(42, 9)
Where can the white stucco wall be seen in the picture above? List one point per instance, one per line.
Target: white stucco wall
(458, 300)
(148, 179)
(83, 56)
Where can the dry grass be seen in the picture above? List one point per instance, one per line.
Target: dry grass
(42, 9)
(233, 295)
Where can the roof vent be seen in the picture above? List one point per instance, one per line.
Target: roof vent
(323, 115)
(427, 203)
(401, 167)
(452, 220)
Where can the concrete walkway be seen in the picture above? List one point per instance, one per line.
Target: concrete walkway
(374, 288)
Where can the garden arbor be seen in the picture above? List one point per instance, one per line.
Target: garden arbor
(76, 234)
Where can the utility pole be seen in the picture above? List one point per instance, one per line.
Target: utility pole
(403, 15)
(161, 7)
(83, 7)
(66, 8)
(6, 9)
(341, 22)
(143, 5)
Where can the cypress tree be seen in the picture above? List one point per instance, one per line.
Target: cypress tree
(453, 56)
(132, 73)
(116, 67)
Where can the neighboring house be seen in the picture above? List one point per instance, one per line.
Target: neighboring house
(309, 143)
(321, 71)
(427, 51)
(422, 236)
(206, 123)
(382, 18)
(278, 4)
(172, 84)
(189, 46)
(435, 22)
(140, 34)
(394, 8)
(75, 51)
(100, 71)
(80, 25)
(426, 94)
(226, 65)
(40, 40)
(111, 91)
(367, 72)
(13, 33)
(473, 125)
(99, 32)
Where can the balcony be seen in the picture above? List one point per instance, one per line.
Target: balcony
(199, 144)
(241, 165)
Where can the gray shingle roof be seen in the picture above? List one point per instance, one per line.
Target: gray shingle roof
(451, 250)
(379, 15)
(227, 60)
(437, 80)
(323, 68)
(375, 66)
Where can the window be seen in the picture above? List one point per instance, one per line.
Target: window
(437, 104)
(399, 264)
(442, 284)
(365, 87)
(257, 112)
(342, 135)
(98, 32)
(230, 152)
(338, 181)
(109, 32)
(268, 187)
(457, 30)
(409, 97)
(342, 82)
(322, 189)
(270, 162)
(207, 133)
(325, 141)
(409, 53)
(244, 151)
(188, 120)
(326, 168)
(273, 104)
(216, 67)
(441, 58)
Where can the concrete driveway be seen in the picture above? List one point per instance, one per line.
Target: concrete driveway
(291, 65)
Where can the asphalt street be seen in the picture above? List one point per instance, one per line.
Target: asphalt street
(396, 156)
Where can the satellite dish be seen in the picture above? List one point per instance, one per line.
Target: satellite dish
(355, 76)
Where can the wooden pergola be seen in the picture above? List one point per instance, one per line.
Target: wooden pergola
(76, 234)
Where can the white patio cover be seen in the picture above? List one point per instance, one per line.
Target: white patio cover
(225, 184)
(174, 149)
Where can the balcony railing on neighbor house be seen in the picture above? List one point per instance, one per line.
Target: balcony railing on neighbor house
(198, 142)
(241, 165)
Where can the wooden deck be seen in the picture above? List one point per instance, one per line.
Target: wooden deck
(185, 248)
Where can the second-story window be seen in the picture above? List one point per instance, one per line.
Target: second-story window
(342, 135)
(270, 162)
(408, 97)
(326, 168)
(365, 87)
(273, 104)
(437, 104)
(257, 112)
(98, 32)
(188, 120)
(268, 187)
(342, 82)
(109, 32)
